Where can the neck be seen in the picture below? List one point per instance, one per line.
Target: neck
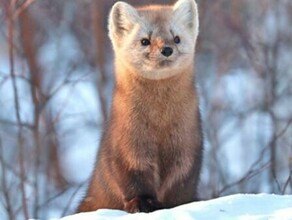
(131, 81)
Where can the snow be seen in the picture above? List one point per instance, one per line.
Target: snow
(233, 207)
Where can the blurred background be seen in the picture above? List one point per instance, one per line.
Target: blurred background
(56, 81)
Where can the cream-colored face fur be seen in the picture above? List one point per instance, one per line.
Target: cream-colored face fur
(155, 42)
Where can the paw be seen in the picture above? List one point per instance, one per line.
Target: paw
(149, 205)
(132, 206)
(142, 204)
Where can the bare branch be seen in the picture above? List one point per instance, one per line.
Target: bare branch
(23, 7)
(16, 102)
(9, 206)
(250, 174)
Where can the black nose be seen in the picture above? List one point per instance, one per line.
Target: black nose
(166, 51)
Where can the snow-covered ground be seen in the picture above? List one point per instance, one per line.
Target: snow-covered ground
(234, 207)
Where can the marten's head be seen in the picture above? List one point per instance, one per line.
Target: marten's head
(156, 41)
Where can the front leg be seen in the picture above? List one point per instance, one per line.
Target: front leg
(139, 189)
(136, 171)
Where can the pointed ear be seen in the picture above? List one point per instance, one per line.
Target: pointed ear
(121, 19)
(186, 12)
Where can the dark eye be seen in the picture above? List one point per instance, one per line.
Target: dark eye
(145, 42)
(176, 39)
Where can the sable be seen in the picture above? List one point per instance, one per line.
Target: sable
(151, 151)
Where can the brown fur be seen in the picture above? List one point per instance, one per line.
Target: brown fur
(151, 151)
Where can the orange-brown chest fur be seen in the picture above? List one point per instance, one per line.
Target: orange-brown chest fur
(153, 124)
(159, 105)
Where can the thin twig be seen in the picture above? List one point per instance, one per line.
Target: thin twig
(289, 180)
(70, 199)
(285, 128)
(13, 123)
(250, 174)
(30, 51)
(23, 7)
(16, 103)
(6, 193)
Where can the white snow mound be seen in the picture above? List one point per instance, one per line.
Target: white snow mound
(234, 207)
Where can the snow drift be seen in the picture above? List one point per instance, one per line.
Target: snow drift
(234, 207)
